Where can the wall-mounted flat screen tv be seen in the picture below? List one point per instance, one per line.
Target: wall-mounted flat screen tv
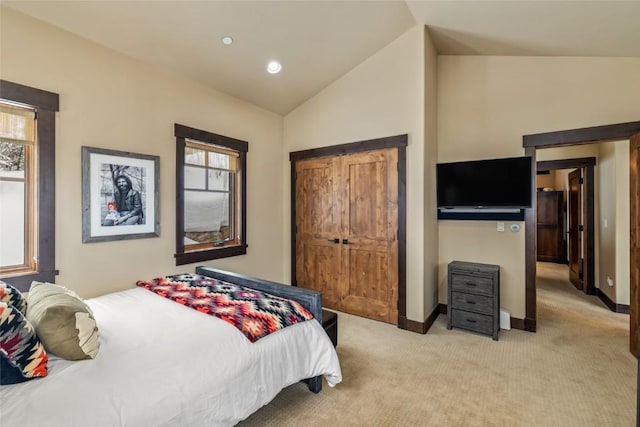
(485, 184)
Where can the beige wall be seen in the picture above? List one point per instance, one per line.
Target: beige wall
(614, 224)
(606, 205)
(486, 105)
(622, 273)
(431, 296)
(108, 100)
(547, 181)
(383, 96)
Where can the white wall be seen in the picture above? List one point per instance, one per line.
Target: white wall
(383, 96)
(108, 100)
(486, 105)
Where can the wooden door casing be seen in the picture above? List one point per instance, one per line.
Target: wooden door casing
(346, 231)
(634, 262)
(574, 231)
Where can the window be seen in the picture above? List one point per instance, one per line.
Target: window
(17, 188)
(27, 184)
(211, 196)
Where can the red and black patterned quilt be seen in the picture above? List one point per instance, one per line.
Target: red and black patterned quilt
(256, 314)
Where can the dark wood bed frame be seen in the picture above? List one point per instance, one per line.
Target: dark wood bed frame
(311, 300)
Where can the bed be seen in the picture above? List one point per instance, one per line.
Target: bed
(163, 364)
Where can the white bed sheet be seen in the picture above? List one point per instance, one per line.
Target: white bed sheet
(163, 364)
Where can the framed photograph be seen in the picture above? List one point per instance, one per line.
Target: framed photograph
(119, 195)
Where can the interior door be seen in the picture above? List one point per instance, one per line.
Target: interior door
(318, 251)
(369, 231)
(575, 229)
(634, 264)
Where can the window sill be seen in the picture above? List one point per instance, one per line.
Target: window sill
(22, 281)
(209, 254)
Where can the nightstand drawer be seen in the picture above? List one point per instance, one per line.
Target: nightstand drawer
(481, 285)
(472, 321)
(470, 302)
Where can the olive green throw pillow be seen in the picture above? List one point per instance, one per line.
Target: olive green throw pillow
(64, 323)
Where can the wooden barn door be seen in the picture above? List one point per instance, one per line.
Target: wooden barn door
(346, 231)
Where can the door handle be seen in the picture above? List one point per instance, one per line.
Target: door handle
(345, 241)
(336, 240)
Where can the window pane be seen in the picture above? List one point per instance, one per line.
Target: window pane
(11, 222)
(206, 216)
(12, 156)
(219, 180)
(195, 178)
(218, 160)
(194, 156)
(17, 123)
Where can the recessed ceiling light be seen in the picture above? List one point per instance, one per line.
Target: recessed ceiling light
(227, 40)
(274, 67)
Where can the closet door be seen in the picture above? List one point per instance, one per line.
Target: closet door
(369, 207)
(346, 220)
(318, 225)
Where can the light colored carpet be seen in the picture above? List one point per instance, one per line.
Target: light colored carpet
(576, 370)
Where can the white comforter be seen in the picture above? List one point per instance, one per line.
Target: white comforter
(163, 364)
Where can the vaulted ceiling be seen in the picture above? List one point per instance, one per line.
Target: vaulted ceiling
(318, 41)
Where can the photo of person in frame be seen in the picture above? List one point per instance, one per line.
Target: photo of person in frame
(125, 202)
(112, 214)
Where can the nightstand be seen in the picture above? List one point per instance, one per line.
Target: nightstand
(473, 297)
(330, 325)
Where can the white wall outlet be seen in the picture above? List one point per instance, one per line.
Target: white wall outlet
(500, 226)
(606, 223)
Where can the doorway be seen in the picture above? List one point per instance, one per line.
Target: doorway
(580, 219)
(590, 135)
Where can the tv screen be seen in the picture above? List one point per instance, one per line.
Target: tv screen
(492, 184)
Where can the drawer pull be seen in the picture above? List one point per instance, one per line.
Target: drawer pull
(471, 302)
(471, 321)
(471, 284)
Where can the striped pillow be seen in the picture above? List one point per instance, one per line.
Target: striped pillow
(11, 295)
(22, 356)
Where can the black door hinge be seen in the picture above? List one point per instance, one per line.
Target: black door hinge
(581, 228)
